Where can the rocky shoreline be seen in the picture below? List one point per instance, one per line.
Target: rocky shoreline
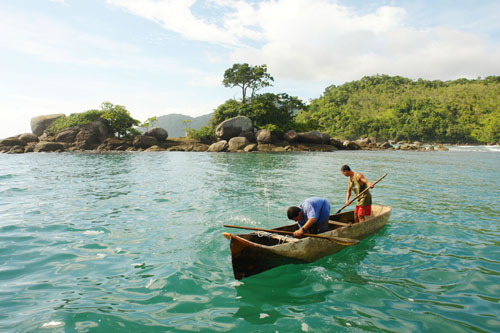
(233, 135)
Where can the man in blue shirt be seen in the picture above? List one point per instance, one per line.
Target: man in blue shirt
(312, 216)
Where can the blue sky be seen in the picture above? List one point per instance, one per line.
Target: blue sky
(168, 56)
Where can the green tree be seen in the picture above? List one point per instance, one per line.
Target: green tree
(119, 119)
(247, 77)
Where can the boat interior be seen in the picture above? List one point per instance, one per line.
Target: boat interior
(336, 221)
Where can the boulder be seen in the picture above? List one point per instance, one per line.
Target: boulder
(233, 127)
(91, 135)
(218, 146)
(46, 146)
(158, 133)
(237, 143)
(154, 148)
(30, 147)
(311, 137)
(265, 147)
(386, 145)
(144, 141)
(41, 123)
(263, 136)
(250, 135)
(441, 147)
(351, 145)
(27, 137)
(363, 141)
(16, 150)
(326, 138)
(279, 149)
(11, 142)
(68, 135)
(336, 143)
(250, 147)
(115, 144)
(291, 136)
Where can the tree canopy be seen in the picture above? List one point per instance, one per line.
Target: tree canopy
(247, 77)
(394, 107)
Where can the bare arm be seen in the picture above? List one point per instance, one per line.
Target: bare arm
(362, 179)
(348, 192)
(306, 226)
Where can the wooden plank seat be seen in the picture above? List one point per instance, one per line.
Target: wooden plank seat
(340, 224)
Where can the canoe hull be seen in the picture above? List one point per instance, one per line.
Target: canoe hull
(251, 254)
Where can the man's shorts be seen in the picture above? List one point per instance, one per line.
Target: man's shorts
(363, 210)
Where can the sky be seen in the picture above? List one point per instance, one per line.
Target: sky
(158, 57)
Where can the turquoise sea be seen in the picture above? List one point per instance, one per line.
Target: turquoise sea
(132, 242)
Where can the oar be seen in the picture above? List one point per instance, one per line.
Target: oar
(366, 189)
(339, 240)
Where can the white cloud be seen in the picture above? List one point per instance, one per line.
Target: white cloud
(323, 40)
(56, 42)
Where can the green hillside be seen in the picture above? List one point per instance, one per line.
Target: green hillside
(459, 111)
(175, 123)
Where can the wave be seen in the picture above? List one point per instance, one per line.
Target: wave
(483, 149)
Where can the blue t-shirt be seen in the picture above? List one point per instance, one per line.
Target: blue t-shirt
(314, 207)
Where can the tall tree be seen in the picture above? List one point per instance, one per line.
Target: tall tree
(245, 77)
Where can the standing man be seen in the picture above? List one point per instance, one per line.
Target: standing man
(358, 183)
(312, 216)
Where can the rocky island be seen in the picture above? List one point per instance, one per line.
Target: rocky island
(232, 135)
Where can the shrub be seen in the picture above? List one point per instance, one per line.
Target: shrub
(74, 119)
(204, 134)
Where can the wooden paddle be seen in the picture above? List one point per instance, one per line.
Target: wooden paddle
(339, 240)
(366, 189)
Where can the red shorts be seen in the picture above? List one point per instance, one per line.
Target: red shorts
(363, 210)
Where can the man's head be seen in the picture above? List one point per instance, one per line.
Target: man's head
(294, 213)
(346, 170)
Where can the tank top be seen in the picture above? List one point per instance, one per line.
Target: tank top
(366, 198)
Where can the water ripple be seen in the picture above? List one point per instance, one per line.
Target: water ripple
(132, 242)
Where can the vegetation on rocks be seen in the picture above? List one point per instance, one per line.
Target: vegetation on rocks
(117, 116)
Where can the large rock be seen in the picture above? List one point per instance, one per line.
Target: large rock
(46, 146)
(291, 136)
(326, 138)
(218, 146)
(11, 142)
(386, 145)
(250, 147)
(237, 143)
(363, 141)
(311, 137)
(27, 137)
(41, 123)
(351, 145)
(158, 133)
(250, 135)
(337, 143)
(233, 127)
(144, 141)
(67, 135)
(16, 150)
(92, 134)
(263, 136)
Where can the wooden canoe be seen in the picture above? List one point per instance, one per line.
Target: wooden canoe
(257, 252)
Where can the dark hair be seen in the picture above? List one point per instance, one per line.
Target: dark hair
(345, 168)
(293, 212)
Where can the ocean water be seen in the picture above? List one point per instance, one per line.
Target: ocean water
(133, 242)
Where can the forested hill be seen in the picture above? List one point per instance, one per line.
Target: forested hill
(398, 108)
